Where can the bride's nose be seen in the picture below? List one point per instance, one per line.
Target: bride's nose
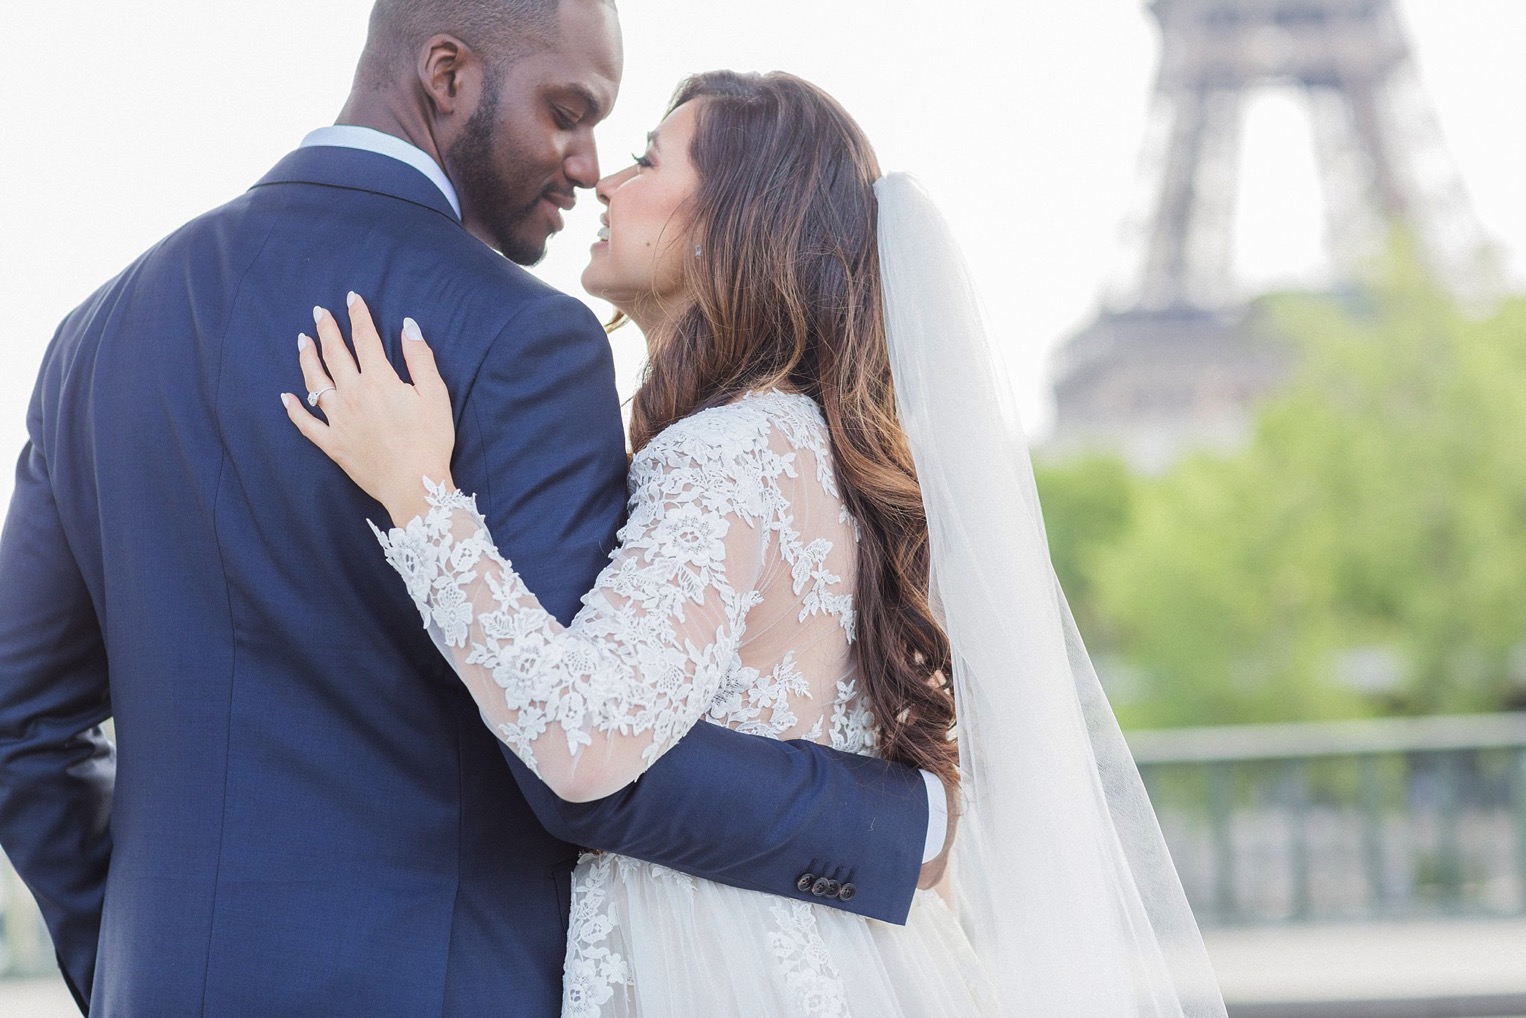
(603, 188)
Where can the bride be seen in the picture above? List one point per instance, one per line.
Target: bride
(832, 535)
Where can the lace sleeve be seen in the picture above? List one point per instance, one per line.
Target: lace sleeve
(591, 706)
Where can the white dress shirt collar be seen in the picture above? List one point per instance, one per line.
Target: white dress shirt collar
(370, 140)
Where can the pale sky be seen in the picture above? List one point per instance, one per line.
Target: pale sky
(1024, 119)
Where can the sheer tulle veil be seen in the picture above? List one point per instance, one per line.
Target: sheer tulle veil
(1061, 878)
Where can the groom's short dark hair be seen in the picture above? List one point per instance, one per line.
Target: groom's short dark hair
(501, 32)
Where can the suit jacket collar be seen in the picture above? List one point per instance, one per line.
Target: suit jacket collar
(358, 170)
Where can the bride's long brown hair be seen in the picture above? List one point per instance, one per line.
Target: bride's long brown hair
(787, 293)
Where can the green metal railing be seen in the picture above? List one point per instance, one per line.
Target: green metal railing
(1394, 818)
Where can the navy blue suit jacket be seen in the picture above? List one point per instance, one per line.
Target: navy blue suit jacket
(303, 813)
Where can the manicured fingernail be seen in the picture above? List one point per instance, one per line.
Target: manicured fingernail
(286, 400)
(350, 299)
(317, 314)
(411, 330)
(302, 341)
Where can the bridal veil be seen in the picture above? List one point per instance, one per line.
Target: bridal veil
(1061, 877)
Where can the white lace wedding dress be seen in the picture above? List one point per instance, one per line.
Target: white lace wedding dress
(728, 601)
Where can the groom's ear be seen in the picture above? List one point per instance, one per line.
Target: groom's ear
(451, 75)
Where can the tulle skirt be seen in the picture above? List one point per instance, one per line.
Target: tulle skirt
(649, 942)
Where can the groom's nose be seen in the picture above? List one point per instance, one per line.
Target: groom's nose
(582, 161)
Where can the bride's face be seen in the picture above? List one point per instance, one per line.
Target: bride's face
(637, 264)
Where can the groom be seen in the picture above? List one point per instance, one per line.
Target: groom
(307, 816)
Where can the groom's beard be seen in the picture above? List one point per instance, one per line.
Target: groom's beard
(472, 158)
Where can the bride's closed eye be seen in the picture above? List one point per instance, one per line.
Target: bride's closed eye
(641, 160)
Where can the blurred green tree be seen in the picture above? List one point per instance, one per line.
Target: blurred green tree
(1088, 504)
(1365, 553)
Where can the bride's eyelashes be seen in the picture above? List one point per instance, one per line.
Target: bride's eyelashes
(644, 161)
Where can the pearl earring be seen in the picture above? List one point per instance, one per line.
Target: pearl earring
(698, 250)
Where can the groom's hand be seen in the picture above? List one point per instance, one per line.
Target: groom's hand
(934, 869)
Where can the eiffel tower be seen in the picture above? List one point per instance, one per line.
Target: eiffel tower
(1174, 362)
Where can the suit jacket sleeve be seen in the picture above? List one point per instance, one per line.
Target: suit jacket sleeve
(738, 809)
(56, 766)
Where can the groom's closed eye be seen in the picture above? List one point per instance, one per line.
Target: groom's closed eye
(573, 105)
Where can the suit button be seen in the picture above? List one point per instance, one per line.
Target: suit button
(847, 892)
(819, 888)
(805, 881)
(832, 888)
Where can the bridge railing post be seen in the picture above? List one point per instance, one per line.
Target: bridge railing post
(1221, 830)
(1370, 782)
(1518, 804)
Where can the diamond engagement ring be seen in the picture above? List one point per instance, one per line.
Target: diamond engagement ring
(313, 397)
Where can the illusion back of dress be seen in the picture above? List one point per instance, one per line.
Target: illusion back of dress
(648, 941)
(795, 676)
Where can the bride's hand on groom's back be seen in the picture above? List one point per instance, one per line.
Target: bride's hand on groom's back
(386, 434)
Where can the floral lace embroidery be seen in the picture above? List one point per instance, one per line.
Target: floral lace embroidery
(656, 643)
(655, 648)
(806, 429)
(656, 637)
(591, 972)
(853, 728)
(800, 421)
(761, 704)
(417, 561)
(815, 986)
